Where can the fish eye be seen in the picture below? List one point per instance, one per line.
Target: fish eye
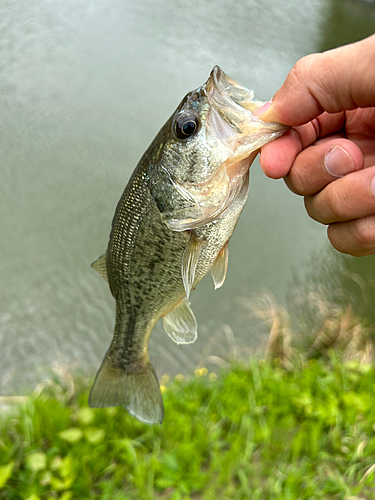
(185, 126)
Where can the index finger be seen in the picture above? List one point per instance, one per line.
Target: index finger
(336, 80)
(277, 157)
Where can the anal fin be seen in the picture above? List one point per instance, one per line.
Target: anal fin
(219, 269)
(100, 266)
(180, 323)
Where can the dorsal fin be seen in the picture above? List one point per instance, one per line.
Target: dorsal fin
(219, 269)
(190, 261)
(180, 323)
(100, 266)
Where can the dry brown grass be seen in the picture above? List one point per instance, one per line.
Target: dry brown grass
(335, 327)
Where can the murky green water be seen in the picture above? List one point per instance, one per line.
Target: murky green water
(84, 87)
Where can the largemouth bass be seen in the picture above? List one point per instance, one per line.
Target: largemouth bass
(172, 225)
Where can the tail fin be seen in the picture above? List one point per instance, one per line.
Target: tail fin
(138, 391)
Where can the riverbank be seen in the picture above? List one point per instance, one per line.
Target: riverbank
(255, 430)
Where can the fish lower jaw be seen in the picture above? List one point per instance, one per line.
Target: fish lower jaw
(240, 165)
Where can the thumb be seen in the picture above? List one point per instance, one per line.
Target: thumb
(336, 80)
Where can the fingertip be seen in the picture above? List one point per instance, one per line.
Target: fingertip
(276, 158)
(269, 163)
(342, 157)
(355, 237)
(334, 237)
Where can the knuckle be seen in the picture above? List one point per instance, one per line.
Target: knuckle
(338, 204)
(311, 210)
(364, 233)
(327, 206)
(335, 237)
(304, 76)
(295, 77)
(296, 182)
(304, 69)
(355, 238)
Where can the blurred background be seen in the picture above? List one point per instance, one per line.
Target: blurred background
(85, 86)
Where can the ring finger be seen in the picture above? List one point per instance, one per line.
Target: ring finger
(350, 197)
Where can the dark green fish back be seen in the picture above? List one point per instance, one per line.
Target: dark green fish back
(143, 263)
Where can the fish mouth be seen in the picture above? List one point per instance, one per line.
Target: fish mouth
(223, 91)
(231, 117)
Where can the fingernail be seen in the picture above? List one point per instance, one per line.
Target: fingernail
(373, 186)
(338, 162)
(262, 109)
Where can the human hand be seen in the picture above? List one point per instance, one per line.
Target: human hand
(329, 155)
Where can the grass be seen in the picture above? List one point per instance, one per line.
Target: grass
(256, 431)
(290, 426)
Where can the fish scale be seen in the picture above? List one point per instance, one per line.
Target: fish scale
(171, 226)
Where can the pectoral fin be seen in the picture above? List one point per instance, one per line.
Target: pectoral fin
(180, 323)
(190, 261)
(100, 266)
(219, 269)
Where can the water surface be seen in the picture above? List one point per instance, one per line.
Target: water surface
(84, 88)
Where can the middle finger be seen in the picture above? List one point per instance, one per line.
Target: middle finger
(323, 162)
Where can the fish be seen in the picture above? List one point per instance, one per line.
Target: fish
(171, 227)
